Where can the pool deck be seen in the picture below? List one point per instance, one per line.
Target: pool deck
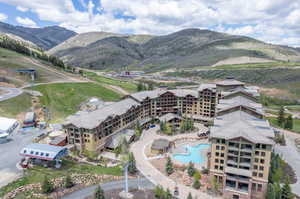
(155, 176)
(181, 150)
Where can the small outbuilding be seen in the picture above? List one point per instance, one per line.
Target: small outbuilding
(172, 119)
(160, 146)
(116, 140)
(7, 125)
(30, 120)
(44, 153)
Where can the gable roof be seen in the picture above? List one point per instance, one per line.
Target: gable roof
(241, 124)
(90, 120)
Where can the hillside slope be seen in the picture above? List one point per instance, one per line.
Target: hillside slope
(186, 48)
(46, 37)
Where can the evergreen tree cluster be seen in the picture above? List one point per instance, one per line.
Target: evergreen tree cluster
(166, 128)
(276, 174)
(169, 166)
(284, 122)
(138, 130)
(160, 193)
(47, 186)
(20, 47)
(132, 164)
(187, 125)
(144, 87)
(99, 193)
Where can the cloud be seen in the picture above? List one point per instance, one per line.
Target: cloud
(22, 9)
(3, 17)
(272, 21)
(26, 22)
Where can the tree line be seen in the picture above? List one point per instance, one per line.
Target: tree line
(20, 47)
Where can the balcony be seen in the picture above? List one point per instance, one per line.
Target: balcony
(233, 148)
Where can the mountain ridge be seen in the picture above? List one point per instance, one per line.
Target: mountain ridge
(45, 38)
(185, 48)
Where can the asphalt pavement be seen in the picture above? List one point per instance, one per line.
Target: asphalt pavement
(9, 93)
(132, 184)
(9, 154)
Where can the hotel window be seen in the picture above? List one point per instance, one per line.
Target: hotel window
(256, 152)
(260, 175)
(255, 167)
(216, 167)
(259, 187)
(263, 146)
(256, 160)
(217, 147)
(222, 161)
(262, 161)
(216, 160)
(263, 153)
(221, 168)
(253, 187)
(223, 148)
(261, 168)
(222, 155)
(254, 173)
(217, 154)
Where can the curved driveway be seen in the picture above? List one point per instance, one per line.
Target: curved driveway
(155, 176)
(9, 93)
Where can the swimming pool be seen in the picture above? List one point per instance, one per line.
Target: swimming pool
(195, 154)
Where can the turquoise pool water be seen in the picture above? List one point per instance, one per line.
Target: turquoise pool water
(194, 154)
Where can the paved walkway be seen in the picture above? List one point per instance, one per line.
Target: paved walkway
(155, 176)
(291, 155)
(9, 93)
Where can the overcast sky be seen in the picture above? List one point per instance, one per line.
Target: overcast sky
(274, 21)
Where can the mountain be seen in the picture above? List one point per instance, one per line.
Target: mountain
(45, 38)
(185, 48)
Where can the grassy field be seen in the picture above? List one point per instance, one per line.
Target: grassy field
(258, 65)
(126, 85)
(296, 125)
(10, 61)
(295, 108)
(36, 174)
(63, 99)
(12, 107)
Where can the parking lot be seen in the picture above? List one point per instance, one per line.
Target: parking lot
(9, 153)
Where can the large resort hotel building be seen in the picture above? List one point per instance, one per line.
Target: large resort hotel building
(241, 140)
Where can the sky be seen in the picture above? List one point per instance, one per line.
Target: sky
(273, 21)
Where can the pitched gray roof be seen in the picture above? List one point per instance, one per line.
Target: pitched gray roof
(140, 96)
(253, 91)
(225, 104)
(242, 124)
(207, 86)
(160, 144)
(90, 120)
(169, 116)
(230, 82)
(117, 138)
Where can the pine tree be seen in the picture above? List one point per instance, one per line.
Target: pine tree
(68, 182)
(280, 118)
(289, 122)
(196, 184)
(191, 169)
(286, 192)
(168, 194)
(140, 86)
(277, 191)
(99, 193)
(190, 196)
(150, 86)
(47, 186)
(132, 166)
(270, 192)
(138, 129)
(169, 166)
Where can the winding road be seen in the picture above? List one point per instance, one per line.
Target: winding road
(9, 93)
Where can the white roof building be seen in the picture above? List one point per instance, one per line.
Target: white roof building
(7, 125)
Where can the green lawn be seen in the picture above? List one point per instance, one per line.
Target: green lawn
(126, 85)
(295, 108)
(63, 99)
(12, 107)
(36, 174)
(296, 124)
(257, 65)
